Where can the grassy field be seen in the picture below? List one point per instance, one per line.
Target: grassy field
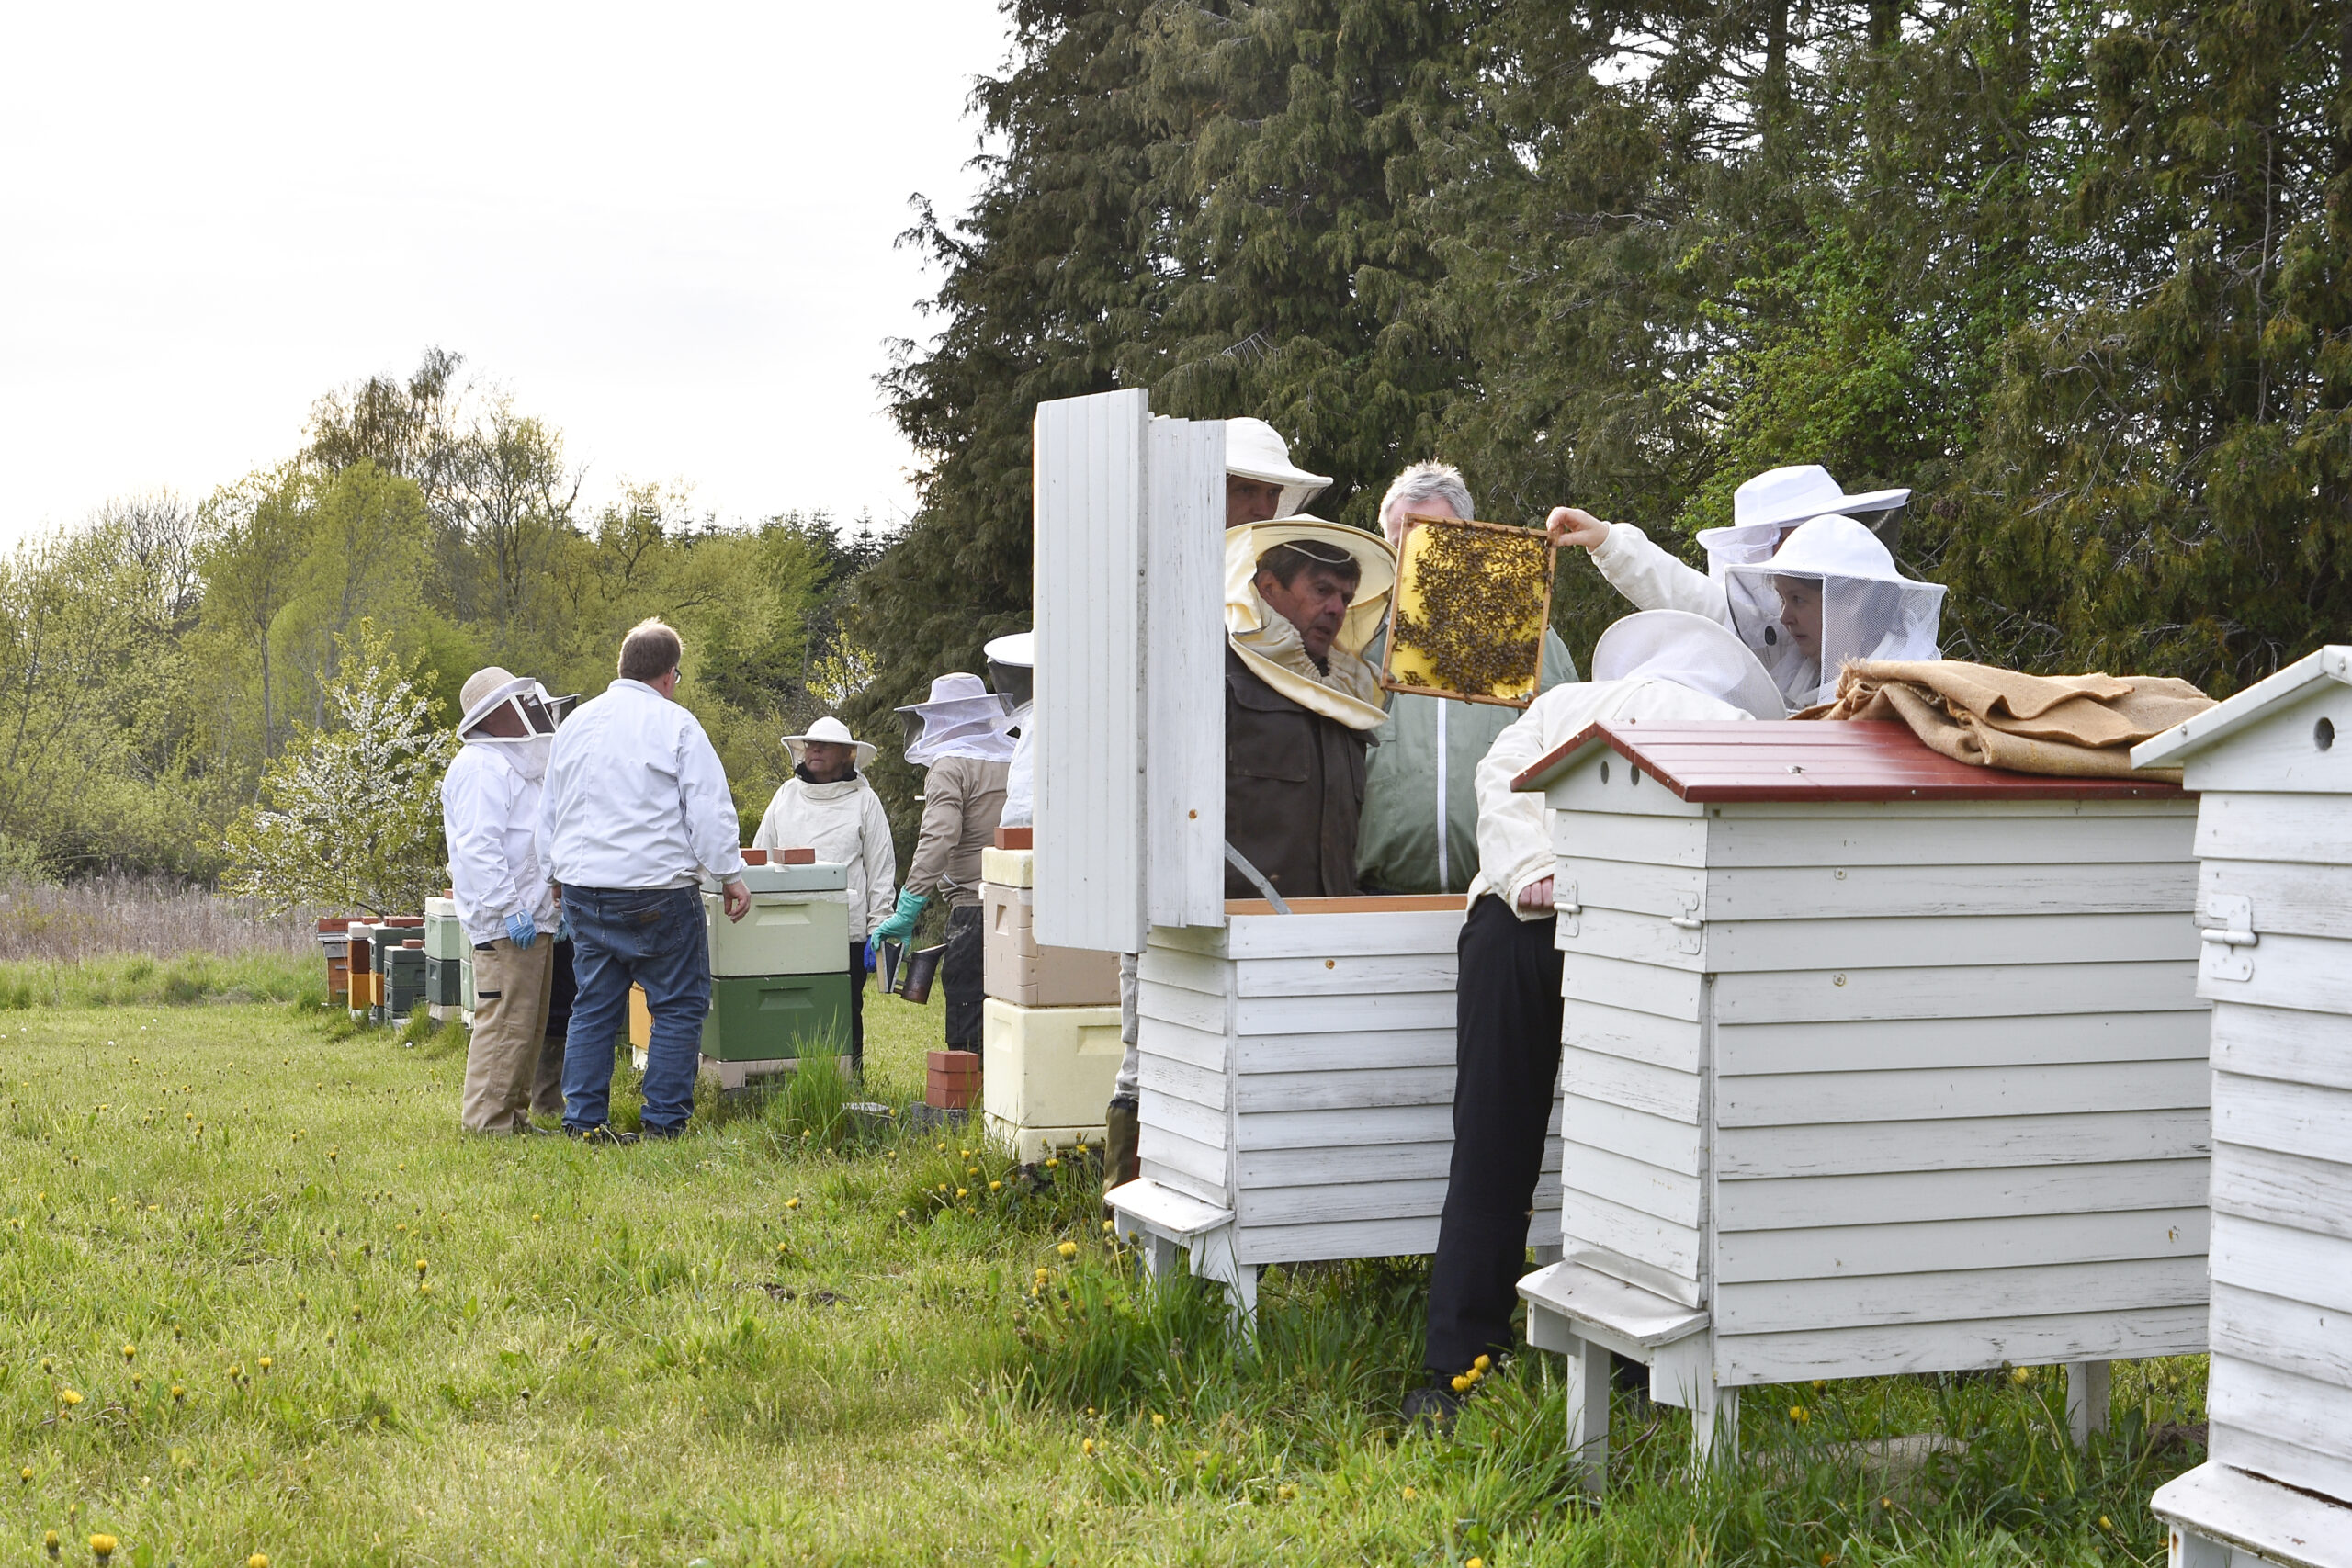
(260, 1296)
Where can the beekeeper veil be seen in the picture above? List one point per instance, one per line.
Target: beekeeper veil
(1691, 651)
(962, 718)
(519, 709)
(1830, 596)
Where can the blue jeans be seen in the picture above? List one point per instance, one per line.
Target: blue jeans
(652, 937)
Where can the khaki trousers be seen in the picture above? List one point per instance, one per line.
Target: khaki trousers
(510, 1028)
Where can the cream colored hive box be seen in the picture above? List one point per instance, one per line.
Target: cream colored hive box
(2273, 769)
(783, 933)
(1873, 1062)
(1048, 1067)
(1018, 970)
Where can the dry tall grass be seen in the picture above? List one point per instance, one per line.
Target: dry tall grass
(119, 916)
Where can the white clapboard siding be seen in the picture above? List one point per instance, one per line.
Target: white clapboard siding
(2275, 829)
(1973, 1340)
(1183, 674)
(2290, 1044)
(1882, 1085)
(1307, 1062)
(1089, 495)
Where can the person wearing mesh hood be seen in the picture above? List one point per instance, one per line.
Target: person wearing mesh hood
(1828, 594)
(1661, 666)
(958, 735)
(489, 815)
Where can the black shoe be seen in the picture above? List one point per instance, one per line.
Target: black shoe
(651, 1132)
(527, 1128)
(601, 1134)
(1434, 1405)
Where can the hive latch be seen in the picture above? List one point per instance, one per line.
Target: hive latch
(2230, 942)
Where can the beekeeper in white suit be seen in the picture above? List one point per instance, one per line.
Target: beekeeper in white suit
(1658, 667)
(828, 806)
(1767, 509)
(490, 816)
(1830, 593)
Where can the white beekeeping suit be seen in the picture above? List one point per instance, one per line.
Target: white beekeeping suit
(1829, 594)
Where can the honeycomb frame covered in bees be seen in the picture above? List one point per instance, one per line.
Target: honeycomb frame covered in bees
(1466, 620)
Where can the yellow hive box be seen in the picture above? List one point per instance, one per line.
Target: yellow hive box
(1048, 1067)
(1470, 609)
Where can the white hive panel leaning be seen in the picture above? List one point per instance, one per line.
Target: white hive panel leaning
(2273, 769)
(1872, 1061)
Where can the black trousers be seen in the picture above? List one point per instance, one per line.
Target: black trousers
(1507, 1066)
(961, 971)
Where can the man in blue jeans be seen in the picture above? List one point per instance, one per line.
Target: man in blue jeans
(635, 811)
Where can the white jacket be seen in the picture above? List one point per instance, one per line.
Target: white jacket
(635, 797)
(843, 822)
(1514, 841)
(490, 814)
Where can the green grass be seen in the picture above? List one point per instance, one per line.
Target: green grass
(781, 1341)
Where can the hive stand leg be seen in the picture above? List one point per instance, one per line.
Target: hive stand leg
(1714, 1423)
(1242, 1299)
(2087, 1386)
(1547, 1255)
(1159, 1253)
(1589, 1411)
(2190, 1550)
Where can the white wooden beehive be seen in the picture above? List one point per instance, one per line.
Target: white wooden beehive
(1297, 1078)
(2273, 767)
(1874, 1062)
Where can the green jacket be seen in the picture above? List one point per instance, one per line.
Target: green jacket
(1427, 739)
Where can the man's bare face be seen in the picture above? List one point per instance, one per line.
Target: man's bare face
(1316, 603)
(827, 762)
(1250, 501)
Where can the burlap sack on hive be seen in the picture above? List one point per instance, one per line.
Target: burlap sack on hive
(2080, 726)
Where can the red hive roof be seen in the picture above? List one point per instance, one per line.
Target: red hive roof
(1820, 760)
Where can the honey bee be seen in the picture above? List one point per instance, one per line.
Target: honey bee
(1481, 593)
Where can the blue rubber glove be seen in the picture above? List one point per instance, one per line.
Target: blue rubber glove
(899, 926)
(519, 929)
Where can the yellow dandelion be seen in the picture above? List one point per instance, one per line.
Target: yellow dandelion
(2020, 1375)
(50, 1542)
(1285, 1493)
(996, 1186)
(178, 1393)
(2105, 1523)
(1797, 1415)
(68, 1398)
(792, 1202)
(1157, 1419)
(259, 1560)
(971, 1170)
(1886, 1504)
(1109, 1228)
(1461, 1385)
(1068, 1249)
(1086, 1447)
(1411, 1493)
(1476, 1562)
(1482, 1364)
(129, 1351)
(25, 1473)
(424, 1287)
(1052, 1164)
(103, 1546)
(961, 1191)
(265, 1363)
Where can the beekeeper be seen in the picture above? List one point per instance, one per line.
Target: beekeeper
(1657, 666)
(1262, 483)
(489, 817)
(958, 735)
(1830, 593)
(828, 806)
(1302, 598)
(1420, 832)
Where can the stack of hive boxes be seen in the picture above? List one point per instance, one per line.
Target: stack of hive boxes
(1050, 1029)
(780, 980)
(359, 973)
(399, 964)
(447, 955)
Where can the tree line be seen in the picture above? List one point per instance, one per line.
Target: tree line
(2075, 274)
(156, 661)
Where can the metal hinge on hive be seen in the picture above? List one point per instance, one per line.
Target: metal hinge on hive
(2228, 945)
(1687, 922)
(1564, 900)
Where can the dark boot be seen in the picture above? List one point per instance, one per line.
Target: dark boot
(1122, 1129)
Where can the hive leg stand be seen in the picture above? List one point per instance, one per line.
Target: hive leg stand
(2087, 1386)
(1164, 1221)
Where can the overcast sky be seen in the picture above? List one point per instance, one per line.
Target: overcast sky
(666, 229)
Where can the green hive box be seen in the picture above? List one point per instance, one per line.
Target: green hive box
(444, 937)
(765, 1017)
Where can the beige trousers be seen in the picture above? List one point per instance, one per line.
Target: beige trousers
(510, 990)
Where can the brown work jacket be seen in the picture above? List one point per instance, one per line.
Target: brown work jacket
(1294, 791)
